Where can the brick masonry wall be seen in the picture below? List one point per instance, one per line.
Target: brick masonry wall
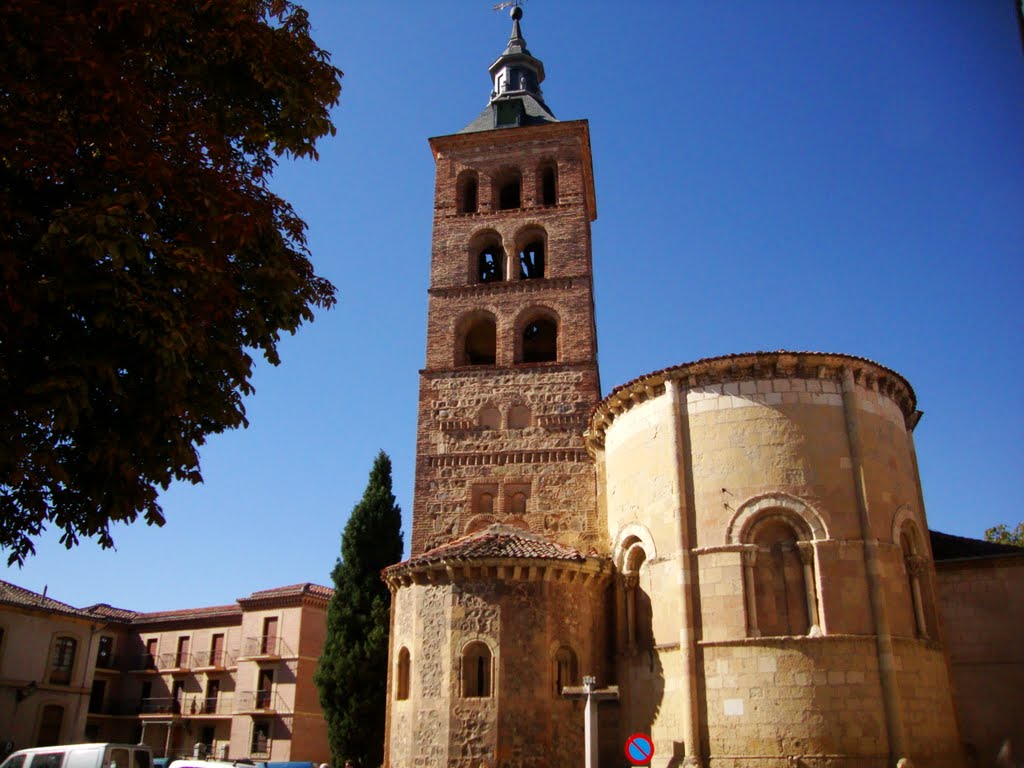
(457, 460)
(982, 605)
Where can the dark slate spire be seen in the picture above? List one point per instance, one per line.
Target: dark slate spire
(516, 97)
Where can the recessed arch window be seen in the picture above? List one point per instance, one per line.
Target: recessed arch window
(519, 417)
(479, 342)
(476, 670)
(508, 189)
(467, 192)
(517, 504)
(402, 675)
(779, 586)
(779, 582)
(531, 260)
(566, 669)
(62, 663)
(489, 418)
(547, 180)
(540, 341)
(490, 264)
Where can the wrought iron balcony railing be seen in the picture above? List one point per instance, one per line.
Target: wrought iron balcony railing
(213, 659)
(199, 704)
(177, 660)
(259, 701)
(265, 646)
(162, 705)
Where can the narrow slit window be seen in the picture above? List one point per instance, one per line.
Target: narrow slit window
(549, 185)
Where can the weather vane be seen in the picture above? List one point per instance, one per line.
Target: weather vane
(509, 4)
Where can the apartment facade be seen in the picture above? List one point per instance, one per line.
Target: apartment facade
(235, 679)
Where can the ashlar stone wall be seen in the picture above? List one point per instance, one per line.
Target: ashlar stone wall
(524, 612)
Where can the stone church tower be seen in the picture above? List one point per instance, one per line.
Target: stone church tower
(511, 373)
(738, 543)
(499, 607)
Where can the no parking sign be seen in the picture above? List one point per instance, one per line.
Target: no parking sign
(639, 749)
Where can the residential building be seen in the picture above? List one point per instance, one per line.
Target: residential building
(236, 679)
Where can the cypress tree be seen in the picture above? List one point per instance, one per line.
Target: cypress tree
(352, 673)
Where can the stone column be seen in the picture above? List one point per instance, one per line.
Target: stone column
(879, 615)
(806, 552)
(749, 596)
(915, 567)
(688, 578)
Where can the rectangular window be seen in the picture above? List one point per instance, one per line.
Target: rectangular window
(263, 689)
(119, 758)
(181, 660)
(96, 696)
(151, 648)
(63, 660)
(212, 690)
(268, 643)
(105, 652)
(260, 746)
(217, 651)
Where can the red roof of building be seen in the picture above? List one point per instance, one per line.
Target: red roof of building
(12, 594)
(496, 541)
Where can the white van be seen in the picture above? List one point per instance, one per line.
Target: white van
(82, 756)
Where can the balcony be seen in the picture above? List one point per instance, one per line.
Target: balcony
(163, 706)
(114, 708)
(200, 705)
(212, 660)
(265, 647)
(259, 703)
(174, 662)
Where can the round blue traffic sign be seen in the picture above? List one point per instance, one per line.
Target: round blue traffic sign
(639, 749)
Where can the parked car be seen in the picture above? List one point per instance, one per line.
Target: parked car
(100, 755)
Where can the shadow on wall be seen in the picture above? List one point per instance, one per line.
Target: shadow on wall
(641, 675)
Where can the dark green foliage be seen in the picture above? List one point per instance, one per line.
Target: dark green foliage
(353, 668)
(143, 255)
(1003, 535)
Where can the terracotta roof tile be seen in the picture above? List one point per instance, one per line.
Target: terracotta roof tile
(12, 594)
(182, 614)
(109, 612)
(493, 542)
(308, 588)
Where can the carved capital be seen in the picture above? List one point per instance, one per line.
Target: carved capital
(631, 580)
(915, 564)
(750, 557)
(806, 550)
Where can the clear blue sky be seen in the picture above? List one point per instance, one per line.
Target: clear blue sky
(832, 176)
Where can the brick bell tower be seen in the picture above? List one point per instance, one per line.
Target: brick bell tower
(511, 371)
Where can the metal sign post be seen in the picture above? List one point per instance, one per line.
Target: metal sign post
(587, 692)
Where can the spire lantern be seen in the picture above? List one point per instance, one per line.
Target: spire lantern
(516, 98)
(516, 70)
